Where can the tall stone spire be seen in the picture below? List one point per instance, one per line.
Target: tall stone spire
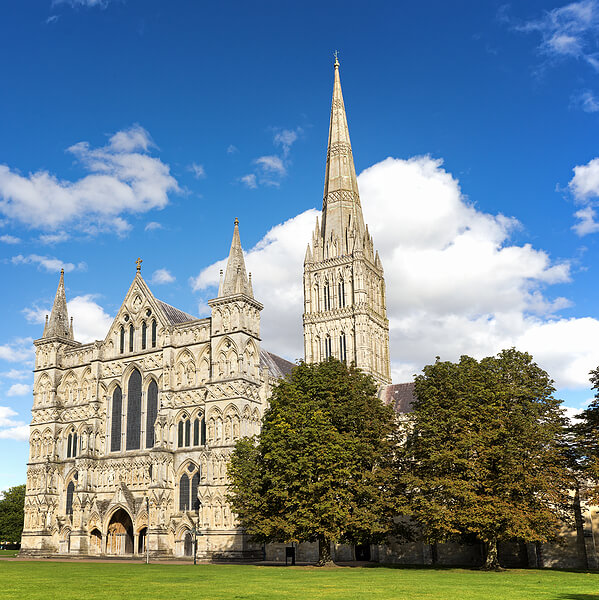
(344, 285)
(58, 324)
(236, 279)
(342, 219)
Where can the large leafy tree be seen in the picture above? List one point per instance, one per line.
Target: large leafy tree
(12, 511)
(485, 453)
(321, 469)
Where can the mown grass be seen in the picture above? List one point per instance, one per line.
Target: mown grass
(10, 553)
(71, 580)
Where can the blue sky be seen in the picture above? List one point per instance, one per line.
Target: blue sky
(143, 128)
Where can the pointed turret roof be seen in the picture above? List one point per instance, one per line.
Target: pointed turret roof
(58, 324)
(341, 209)
(236, 279)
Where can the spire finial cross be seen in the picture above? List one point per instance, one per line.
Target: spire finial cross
(138, 263)
(336, 55)
(236, 222)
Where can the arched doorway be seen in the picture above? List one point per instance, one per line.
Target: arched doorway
(187, 544)
(65, 542)
(119, 539)
(142, 540)
(95, 542)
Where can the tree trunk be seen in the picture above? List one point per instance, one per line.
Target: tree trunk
(492, 561)
(434, 554)
(324, 553)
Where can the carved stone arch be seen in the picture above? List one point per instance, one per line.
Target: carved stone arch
(127, 374)
(141, 521)
(183, 468)
(227, 343)
(184, 355)
(148, 378)
(94, 521)
(69, 387)
(112, 510)
(214, 411)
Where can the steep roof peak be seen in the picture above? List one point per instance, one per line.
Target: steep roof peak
(58, 323)
(236, 280)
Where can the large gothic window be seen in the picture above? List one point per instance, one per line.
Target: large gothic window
(184, 492)
(151, 413)
(70, 492)
(117, 410)
(134, 411)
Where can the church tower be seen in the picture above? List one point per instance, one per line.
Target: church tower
(344, 286)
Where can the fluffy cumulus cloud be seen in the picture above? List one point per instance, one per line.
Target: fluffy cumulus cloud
(584, 187)
(123, 178)
(19, 350)
(11, 429)
(455, 282)
(569, 31)
(161, 276)
(19, 389)
(9, 239)
(90, 321)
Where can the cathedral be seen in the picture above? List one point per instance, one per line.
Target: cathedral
(130, 435)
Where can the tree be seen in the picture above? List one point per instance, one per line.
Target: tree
(12, 513)
(321, 468)
(485, 452)
(585, 443)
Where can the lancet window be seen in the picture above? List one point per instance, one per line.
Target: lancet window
(122, 340)
(144, 335)
(327, 347)
(151, 413)
(154, 334)
(191, 434)
(188, 488)
(341, 291)
(131, 336)
(72, 444)
(115, 429)
(342, 347)
(134, 411)
(69, 503)
(327, 296)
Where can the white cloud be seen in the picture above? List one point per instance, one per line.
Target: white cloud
(54, 238)
(455, 283)
(584, 186)
(11, 429)
(286, 138)
(587, 101)
(50, 264)
(271, 165)
(83, 3)
(249, 180)
(122, 179)
(90, 321)
(19, 350)
(198, 170)
(231, 149)
(569, 31)
(19, 389)
(16, 374)
(10, 239)
(162, 276)
(153, 226)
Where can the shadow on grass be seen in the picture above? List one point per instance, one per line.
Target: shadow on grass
(578, 597)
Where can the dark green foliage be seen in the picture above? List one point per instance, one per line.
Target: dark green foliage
(321, 469)
(585, 444)
(12, 510)
(485, 452)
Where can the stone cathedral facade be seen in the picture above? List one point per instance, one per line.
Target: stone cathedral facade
(130, 435)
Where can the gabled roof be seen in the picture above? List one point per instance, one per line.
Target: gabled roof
(277, 366)
(399, 395)
(174, 315)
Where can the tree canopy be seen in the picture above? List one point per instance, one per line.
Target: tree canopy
(322, 467)
(12, 511)
(484, 452)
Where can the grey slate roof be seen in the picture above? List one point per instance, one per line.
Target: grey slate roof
(277, 366)
(174, 315)
(399, 395)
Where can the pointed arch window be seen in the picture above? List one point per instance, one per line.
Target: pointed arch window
(184, 492)
(122, 344)
(203, 431)
(144, 335)
(134, 411)
(154, 334)
(151, 412)
(316, 298)
(69, 445)
(180, 435)
(327, 296)
(187, 433)
(341, 291)
(69, 503)
(74, 453)
(342, 347)
(195, 482)
(196, 432)
(115, 428)
(131, 336)
(327, 347)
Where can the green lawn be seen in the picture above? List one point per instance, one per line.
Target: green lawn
(71, 580)
(8, 553)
